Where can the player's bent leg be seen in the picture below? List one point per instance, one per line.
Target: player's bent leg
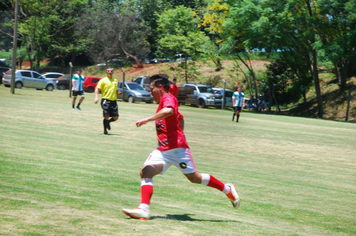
(195, 177)
(228, 189)
(148, 171)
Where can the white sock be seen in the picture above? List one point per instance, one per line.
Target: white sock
(205, 178)
(144, 207)
(226, 189)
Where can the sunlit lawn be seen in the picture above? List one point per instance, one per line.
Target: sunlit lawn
(59, 175)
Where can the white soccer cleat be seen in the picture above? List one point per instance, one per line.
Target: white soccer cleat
(232, 195)
(137, 213)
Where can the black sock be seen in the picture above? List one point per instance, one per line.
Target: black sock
(104, 123)
(78, 105)
(112, 120)
(237, 118)
(233, 117)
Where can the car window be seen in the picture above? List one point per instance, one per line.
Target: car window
(95, 80)
(206, 90)
(26, 73)
(37, 75)
(228, 93)
(138, 80)
(53, 76)
(134, 86)
(217, 91)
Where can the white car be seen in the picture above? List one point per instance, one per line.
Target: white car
(28, 79)
(52, 75)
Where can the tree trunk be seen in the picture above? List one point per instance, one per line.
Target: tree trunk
(128, 55)
(315, 75)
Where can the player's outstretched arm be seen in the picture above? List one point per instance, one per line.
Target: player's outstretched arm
(164, 113)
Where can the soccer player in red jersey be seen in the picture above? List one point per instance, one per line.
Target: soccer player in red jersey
(172, 149)
(173, 88)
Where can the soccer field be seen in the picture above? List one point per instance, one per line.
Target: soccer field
(59, 175)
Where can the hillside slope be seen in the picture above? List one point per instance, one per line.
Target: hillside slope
(334, 101)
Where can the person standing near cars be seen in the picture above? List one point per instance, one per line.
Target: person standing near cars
(173, 88)
(238, 102)
(77, 88)
(172, 149)
(109, 91)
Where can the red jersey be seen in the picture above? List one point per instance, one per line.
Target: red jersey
(169, 133)
(173, 89)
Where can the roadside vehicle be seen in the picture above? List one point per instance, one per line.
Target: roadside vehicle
(28, 79)
(133, 92)
(62, 82)
(228, 95)
(144, 81)
(199, 95)
(90, 83)
(4, 66)
(52, 75)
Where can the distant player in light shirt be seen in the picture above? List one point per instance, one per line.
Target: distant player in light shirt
(77, 88)
(238, 102)
(172, 149)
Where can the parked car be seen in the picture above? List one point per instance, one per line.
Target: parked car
(28, 79)
(133, 92)
(199, 95)
(228, 95)
(4, 66)
(52, 75)
(144, 81)
(62, 82)
(90, 83)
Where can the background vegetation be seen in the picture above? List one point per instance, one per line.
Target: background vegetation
(59, 175)
(300, 39)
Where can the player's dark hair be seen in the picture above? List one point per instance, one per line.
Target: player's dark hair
(161, 79)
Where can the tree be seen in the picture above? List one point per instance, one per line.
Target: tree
(337, 36)
(45, 23)
(179, 33)
(214, 16)
(115, 34)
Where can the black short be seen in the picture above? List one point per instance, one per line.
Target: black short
(78, 93)
(237, 109)
(110, 108)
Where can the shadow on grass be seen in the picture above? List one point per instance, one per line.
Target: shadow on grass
(187, 217)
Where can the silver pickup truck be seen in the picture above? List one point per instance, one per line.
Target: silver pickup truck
(199, 95)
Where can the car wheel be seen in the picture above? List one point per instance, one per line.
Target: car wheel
(201, 103)
(131, 99)
(90, 90)
(18, 85)
(50, 87)
(61, 87)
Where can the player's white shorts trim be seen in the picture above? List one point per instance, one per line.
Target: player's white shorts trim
(180, 157)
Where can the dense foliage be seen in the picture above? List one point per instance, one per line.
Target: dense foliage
(303, 33)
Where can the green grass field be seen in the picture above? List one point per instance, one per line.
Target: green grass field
(59, 175)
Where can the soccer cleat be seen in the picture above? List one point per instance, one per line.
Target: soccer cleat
(105, 132)
(232, 195)
(137, 213)
(79, 108)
